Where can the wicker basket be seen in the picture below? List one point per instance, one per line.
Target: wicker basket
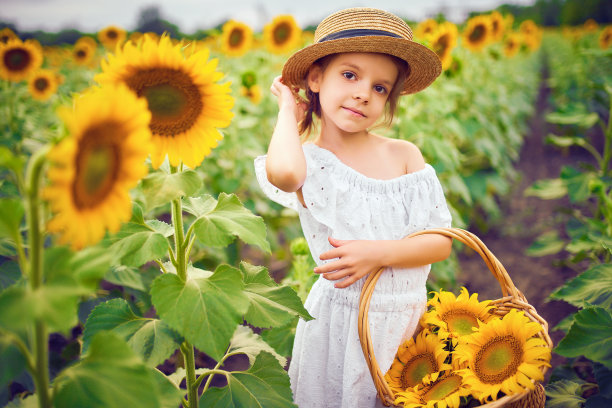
(512, 299)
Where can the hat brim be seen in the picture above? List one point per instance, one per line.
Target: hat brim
(424, 64)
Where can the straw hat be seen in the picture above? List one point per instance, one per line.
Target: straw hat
(364, 29)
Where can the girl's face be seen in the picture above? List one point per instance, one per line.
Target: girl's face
(353, 89)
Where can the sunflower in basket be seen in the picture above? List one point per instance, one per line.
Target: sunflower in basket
(441, 390)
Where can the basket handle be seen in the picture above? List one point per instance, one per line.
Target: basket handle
(509, 291)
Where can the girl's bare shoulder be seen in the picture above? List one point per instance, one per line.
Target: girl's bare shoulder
(405, 152)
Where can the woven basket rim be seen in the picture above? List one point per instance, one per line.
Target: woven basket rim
(511, 298)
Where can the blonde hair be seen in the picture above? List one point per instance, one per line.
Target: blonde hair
(314, 105)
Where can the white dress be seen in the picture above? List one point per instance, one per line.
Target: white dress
(328, 368)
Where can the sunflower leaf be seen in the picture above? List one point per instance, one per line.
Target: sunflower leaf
(160, 188)
(247, 342)
(137, 244)
(265, 384)
(152, 339)
(548, 189)
(593, 286)
(271, 305)
(111, 375)
(229, 219)
(11, 215)
(590, 335)
(205, 311)
(564, 394)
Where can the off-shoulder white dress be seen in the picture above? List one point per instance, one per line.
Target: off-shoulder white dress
(327, 367)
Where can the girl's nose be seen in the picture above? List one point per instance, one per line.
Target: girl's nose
(361, 93)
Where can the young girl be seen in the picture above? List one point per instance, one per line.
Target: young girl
(358, 196)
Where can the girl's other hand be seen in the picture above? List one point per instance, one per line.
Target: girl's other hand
(289, 99)
(356, 259)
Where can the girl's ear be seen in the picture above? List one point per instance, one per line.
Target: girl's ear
(314, 78)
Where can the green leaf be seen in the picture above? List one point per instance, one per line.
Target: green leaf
(11, 216)
(281, 338)
(169, 394)
(205, 311)
(564, 394)
(577, 183)
(565, 141)
(265, 384)
(151, 339)
(457, 186)
(589, 336)
(603, 375)
(546, 244)
(12, 362)
(137, 244)
(251, 344)
(593, 286)
(160, 188)
(583, 120)
(11, 161)
(549, 189)
(126, 276)
(271, 305)
(109, 376)
(228, 219)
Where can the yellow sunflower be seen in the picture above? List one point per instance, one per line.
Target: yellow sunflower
(605, 37)
(477, 33)
(425, 29)
(236, 38)
(187, 104)
(112, 36)
(42, 84)
(18, 59)
(415, 359)
(443, 41)
(590, 25)
(93, 169)
(498, 26)
(282, 34)
(532, 35)
(253, 93)
(456, 316)
(512, 44)
(503, 355)
(6, 34)
(439, 390)
(84, 51)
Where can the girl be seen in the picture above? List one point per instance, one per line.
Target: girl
(358, 196)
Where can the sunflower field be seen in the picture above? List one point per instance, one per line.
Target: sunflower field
(141, 265)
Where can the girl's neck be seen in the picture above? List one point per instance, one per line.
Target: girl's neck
(336, 140)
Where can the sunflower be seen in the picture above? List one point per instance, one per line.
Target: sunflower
(236, 38)
(456, 316)
(443, 41)
(112, 36)
(84, 50)
(253, 93)
(6, 34)
(590, 25)
(186, 102)
(497, 26)
(282, 34)
(512, 44)
(425, 29)
(18, 59)
(605, 37)
(93, 169)
(503, 355)
(440, 390)
(477, 33)
(42, 84)
(532, 35)
(416, 358)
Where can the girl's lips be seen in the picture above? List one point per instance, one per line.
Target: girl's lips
(355, 112)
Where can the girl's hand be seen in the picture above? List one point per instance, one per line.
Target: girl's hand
(289, 99)
(356, 259)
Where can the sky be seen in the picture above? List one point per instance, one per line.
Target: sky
(191, 15)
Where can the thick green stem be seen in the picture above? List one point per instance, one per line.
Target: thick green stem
(35, 274)
(192, 386)
(179, 236)
(607, 153)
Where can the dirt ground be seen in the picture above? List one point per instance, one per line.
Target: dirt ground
(524, 219)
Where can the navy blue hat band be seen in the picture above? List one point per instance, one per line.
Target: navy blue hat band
(357, 32)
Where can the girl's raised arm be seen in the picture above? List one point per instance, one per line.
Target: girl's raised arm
(285, 163)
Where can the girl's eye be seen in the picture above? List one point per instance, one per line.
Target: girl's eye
(380, 89)
(348, 75)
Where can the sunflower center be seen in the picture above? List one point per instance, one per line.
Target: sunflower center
(236, 37)
(498, 359)
(281, 33)
(41, 84)
(174, 100)
(80, 54)
(460, 321)
(441, 44)
(97, 165)
(112, 34)
(17, 59)
(443, 388)
(477, 33)
(416, 368)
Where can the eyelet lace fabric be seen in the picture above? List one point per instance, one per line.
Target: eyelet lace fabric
(327, 368)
